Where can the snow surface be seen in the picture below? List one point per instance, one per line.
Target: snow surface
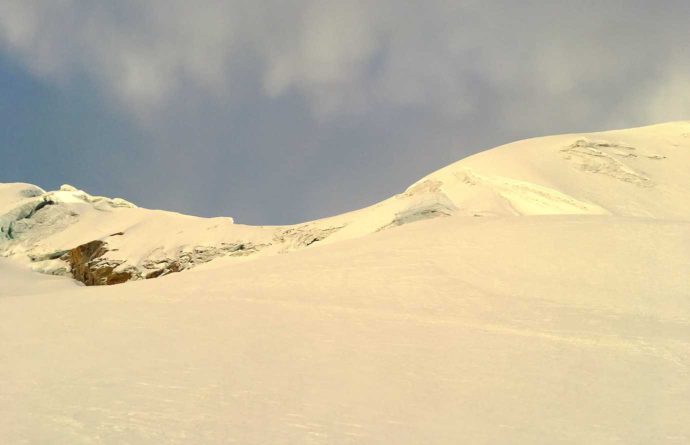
(559, 314)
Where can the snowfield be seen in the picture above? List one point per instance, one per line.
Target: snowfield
(534, 293)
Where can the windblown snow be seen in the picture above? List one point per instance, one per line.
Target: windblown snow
(538, 292)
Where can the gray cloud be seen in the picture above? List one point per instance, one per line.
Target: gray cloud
(423, 81)
(347, 57)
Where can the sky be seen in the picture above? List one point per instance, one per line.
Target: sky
(282, 111)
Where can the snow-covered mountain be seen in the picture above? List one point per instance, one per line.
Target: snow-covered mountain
(536, 293)
(638, 173)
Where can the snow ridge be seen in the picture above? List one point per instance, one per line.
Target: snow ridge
(632, 173)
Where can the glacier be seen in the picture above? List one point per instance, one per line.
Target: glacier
(538, 292)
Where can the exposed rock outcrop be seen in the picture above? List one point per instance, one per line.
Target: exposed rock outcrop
(187, 259)
(90, 264)
(86, 267)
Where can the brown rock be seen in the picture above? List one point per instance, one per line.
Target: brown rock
(83, 261)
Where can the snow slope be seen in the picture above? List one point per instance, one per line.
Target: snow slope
(560, 316)
(532, 330)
